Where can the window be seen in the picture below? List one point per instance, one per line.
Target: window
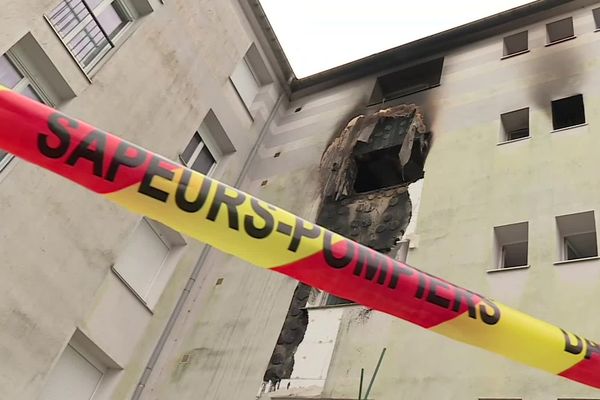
(596, 13)
(197, 156)
(249, 76)
(568, 112)
(88, 27)
(515, 125)
(577, 236)
(145, 263)
(398, 159)
(79, 372)
(208, 144)
(516, 44)
(512, 245)
(245, 82)
(13, 76)
(560, 30)
(407, 81)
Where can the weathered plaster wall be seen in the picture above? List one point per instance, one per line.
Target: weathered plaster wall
(471, 185)
(231, 328)
(59, 241)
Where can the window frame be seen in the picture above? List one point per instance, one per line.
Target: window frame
(558, 103)
(25, 81)
(257, 82)
(565, 230)
(505, 53)
(90, 352)
(203, 144)
(509, 118)
(150, 296)
(508, 235)
(121, 6)
(596, 16)
(550, 42)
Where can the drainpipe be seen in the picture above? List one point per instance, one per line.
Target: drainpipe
(198, 267)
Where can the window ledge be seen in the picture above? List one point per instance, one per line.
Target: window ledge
(560, 41)
(569, 127)
(332, 306)
(490, 271)
(597, 30)
(132, 290)
(512, 141)
(577, 260)
(518, 53)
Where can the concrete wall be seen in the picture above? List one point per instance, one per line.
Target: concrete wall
(471, 185)
(59, 241)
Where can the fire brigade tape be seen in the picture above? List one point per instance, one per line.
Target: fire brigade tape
(271, 238)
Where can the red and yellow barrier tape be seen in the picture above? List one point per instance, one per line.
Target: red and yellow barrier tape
(271, 238)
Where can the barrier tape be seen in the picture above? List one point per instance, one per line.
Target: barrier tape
(271, 238)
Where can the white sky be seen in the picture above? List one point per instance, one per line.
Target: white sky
(320, 34)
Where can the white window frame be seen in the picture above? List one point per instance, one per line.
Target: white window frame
(257, 82)
(87, 349)
(122, 5)
(174, 242)
(563, 237)
(507, 120)
(196, 153)
(25, 81)
(507, 235)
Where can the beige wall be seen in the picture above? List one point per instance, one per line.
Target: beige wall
(58, 240)
(472, 185)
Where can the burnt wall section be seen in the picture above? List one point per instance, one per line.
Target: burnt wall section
(365, 173)
(292, 333)
(375, 219)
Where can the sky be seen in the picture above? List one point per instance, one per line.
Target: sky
(320, 34)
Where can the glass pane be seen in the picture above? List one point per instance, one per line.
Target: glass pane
(67, 15)
(2, 155)
(204, 161)
(111, 20)
(187, 154)
(30, 92)
(9, 75)
(88, 43)
(93, 3)
(245, 83)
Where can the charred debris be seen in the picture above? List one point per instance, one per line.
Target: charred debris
(364, 174)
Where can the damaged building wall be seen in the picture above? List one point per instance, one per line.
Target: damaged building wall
(364, 176)
(473, 184)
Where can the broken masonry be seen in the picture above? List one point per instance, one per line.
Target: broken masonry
(364, 175)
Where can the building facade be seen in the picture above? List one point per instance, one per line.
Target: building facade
(88, 288)
(102, 304)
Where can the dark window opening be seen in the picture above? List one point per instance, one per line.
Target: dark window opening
(512, 244)
(596, 13)
(560, 30)
(581, 245)
(381, 169)
(515, 125)
(334, 300)
(516, 43)
(407, 81)
(514, 255)
(568, 112)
